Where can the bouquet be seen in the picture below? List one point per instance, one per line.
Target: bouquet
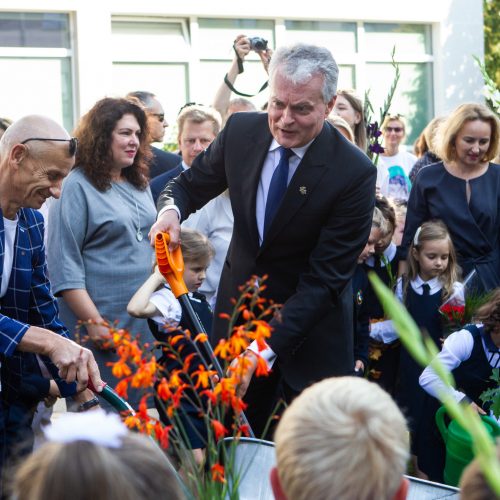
(459, 309)
(211, 473)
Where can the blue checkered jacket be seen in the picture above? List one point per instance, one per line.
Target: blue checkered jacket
(28, 301)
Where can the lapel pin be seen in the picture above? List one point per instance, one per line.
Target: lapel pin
(303, 190)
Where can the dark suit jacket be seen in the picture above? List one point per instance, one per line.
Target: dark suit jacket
(162, 161)
(158, 184)
(310, 250)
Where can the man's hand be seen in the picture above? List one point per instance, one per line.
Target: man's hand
(477, 408)
(244, 370)
(75, 363)
(168, 222)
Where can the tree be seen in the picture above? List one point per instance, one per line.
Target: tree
(491, 8)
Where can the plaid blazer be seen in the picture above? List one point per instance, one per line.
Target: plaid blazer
(28, 301)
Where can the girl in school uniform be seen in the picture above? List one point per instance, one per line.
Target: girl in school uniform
(154, 300)
(432, 278)
(471, 354)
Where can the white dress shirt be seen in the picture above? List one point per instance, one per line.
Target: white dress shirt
(10, 227)
(457, 348)
(270, 165)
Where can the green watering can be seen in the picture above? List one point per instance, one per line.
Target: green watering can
(459, 445)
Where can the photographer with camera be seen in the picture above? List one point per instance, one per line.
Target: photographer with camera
(242, 46)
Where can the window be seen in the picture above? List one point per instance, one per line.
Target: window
(152, 54)
(36, 65)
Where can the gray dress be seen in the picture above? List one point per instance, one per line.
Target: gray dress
(93, 245)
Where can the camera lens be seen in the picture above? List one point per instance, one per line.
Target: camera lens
(257, 43)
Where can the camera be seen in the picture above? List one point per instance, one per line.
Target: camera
(257, 43)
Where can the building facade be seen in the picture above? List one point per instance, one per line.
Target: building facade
(57, 57)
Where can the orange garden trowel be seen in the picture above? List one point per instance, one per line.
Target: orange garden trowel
(171, 267)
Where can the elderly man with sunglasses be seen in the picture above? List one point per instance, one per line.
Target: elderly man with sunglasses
(35, 155)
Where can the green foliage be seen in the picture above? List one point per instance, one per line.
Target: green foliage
(493, 395)
(491, 9)
(491, 92)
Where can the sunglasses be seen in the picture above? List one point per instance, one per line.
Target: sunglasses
(160, 116)
(188, 105)
(73, 143)
(394, 129)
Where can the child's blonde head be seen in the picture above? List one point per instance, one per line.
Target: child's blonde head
(432, 231)
(196, 247)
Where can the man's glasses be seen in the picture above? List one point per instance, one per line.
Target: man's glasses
(394, 129)
(73, 143)
(160, 116)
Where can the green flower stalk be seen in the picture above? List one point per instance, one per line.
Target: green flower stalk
(373, 127)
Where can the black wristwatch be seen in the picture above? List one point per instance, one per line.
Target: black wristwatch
(88, 404)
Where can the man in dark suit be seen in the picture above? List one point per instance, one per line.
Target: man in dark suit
(197, 127)
(307, 240)
(35, 155)
(162, 161)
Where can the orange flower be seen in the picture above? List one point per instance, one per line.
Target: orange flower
(145, 374)
(201, 337)
(262, 332)
(163, 390)
(224, 316)
(226, 389)
(244, 429)
(143, 409)
(176, 338)
(218, 473)
(187, 362)
(210, 395)
(247, 315)
(175, 379)
(121, 369)
(223, 349)
(163, 438)
(133, 422)
(121, 388)
(219, 429)
(261, 370)
(238, 405)
(203, 375)
(238, 342)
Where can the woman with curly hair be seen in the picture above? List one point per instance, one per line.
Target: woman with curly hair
(98, 250)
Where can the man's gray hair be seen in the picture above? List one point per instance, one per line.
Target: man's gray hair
(145, 97)
(300, 62)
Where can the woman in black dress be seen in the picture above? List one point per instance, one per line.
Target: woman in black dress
(463, 191)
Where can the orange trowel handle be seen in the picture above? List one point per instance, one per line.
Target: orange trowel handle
(170, 264)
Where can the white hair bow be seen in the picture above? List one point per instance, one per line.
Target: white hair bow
(95, 426)
(417, 234)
